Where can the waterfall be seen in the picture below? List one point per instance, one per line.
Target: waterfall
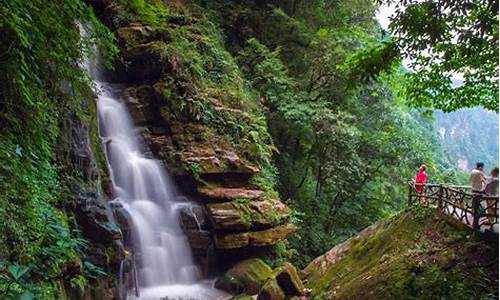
(165, 267)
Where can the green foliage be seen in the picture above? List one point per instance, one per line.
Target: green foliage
(213, 89)
(151, 12)
(40, 48)
(195, 170)
(279, 254)
(347, 143)
(442, 39)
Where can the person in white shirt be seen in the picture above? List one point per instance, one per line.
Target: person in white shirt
(477, 178)
(491, 189)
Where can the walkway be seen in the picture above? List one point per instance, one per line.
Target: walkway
(480, 212)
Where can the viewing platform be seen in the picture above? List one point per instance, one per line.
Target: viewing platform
(478, 211)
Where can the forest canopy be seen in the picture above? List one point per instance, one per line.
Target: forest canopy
(452, 47)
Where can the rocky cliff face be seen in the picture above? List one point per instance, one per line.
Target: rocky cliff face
(80, 152)
(187, 96)
(469, 136)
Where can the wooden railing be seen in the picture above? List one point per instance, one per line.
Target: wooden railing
(478, 211)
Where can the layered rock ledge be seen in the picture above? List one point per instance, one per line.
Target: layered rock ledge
(181, 118)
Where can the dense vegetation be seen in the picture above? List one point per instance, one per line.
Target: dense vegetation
(446, 40)
(331, 87)
(41, 95)
(330, 124)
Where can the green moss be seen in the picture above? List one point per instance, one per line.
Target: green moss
(195, 170)
(246, 277)
(245, 212)
(151, 12)
(411, 256)
(266, 180)
(40, 100)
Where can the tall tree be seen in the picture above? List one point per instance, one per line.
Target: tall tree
(444, 39)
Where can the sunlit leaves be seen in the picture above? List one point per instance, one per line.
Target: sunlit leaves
(452, 47)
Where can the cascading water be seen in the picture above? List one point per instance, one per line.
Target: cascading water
(164, 261)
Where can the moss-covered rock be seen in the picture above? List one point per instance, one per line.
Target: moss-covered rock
(289, 281)
(246, 277)
(419, 254)
(199, 115)
(262, 238)
(271, 236)
(271, 291)
(219, 194)
(241, 297)
(232, 240)
(245, 214)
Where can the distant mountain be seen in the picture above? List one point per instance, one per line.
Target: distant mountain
(469, 136)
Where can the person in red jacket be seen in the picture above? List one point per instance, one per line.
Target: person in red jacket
(420, 181)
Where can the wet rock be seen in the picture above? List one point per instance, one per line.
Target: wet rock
(94, 219)
(243, 215)
(199, 239)
(212, 158)
(146, 62)
(289, 281)
(246, 277)
(271, 291)
(140, 103)
(227, 194)
(124, 220)
(193, 217)
(229, 216)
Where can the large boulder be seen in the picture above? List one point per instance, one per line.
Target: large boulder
(420, 253)
(246, 277)
(271, 291)
(289, 281)
(242, 297)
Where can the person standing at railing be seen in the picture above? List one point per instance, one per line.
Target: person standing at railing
(491, 189)
(477, 178)
(420, 181)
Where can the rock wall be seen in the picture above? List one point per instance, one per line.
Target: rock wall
(236, 216)
(80, 153)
